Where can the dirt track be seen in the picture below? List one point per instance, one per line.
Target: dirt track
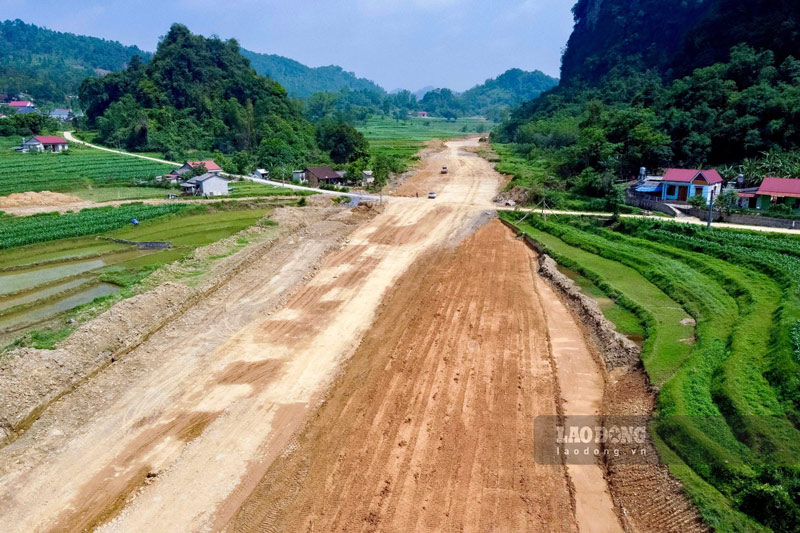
(430, 425)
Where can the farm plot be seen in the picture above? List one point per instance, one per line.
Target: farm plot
(77, 168)
(40, 282)
(728, 405)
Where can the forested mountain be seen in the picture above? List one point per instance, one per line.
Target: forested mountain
(647, 83)
(491, 97)
(198, 93)
(49, 65)
(673, 38)
(302, 81)
(509, 89)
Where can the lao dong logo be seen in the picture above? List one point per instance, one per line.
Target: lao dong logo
(589, 439)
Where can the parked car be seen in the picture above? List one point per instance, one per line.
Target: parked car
(432, 195)
(444, 170)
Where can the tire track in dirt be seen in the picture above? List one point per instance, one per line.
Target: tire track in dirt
(430, 427)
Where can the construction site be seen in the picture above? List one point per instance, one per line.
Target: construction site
(377, 368)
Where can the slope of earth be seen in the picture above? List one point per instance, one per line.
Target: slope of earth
(430, 427)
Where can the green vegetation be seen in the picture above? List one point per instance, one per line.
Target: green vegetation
(111, 193)
(728, 407)
(50, 65)
(77, 168)
(400, 140)
(19, 231)
(55, 281)
(301, 81)
(199, 94)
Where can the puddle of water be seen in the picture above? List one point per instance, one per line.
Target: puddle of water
(42, 312)
(44, 292)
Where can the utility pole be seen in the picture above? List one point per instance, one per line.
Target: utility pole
(710, 209)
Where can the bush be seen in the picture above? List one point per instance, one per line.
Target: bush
(698, 201)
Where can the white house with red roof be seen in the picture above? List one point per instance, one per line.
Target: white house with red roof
(22, 107)
(189, 166)
(779, 191)
(42, 143)
(680, 184)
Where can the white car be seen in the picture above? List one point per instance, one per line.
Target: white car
(432, 195)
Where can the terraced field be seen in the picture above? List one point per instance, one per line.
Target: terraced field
(40, 282)
(729, 402)
(77, 168)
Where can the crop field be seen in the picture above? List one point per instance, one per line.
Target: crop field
(19, 231)
(43, 281)
(403, 139)
(77, 168)
(729, 392)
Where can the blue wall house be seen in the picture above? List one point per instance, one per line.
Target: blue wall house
(680, 184)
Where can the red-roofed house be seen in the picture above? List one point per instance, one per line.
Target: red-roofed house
(42, 143)
(779, 191)
(680, 184)
(20, 103)
(209, 165)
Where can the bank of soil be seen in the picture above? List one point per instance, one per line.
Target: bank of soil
(37, 199)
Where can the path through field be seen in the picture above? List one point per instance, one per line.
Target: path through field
(447, 332)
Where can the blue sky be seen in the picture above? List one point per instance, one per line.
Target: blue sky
(397, 43)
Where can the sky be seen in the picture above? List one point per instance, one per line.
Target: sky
(405, 44)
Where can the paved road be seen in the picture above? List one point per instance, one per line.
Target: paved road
(68, 135)
(681, 220)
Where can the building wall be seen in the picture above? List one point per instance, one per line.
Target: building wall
(214, 187)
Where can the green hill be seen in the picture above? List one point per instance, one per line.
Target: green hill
(302, 81)
(49, 65)
(198, 93)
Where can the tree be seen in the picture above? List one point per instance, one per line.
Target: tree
(344, 143)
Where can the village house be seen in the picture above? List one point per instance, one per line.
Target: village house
(189, 166)
(367, 178)
(316, 176)
(22, 107)
(680, 184)
(260, 174)
(43, 144)
(775, 191)
(422, 114)
(208, 184)
(63, 115)
(299, 176)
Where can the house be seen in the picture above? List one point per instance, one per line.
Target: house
(422, 114)
(208, 184)
(775, 191)
(316, 176)
(367, 178)
(299, 176)
(680, 184)
(43, 144)
(747, 198)
(650, 187)
(22, 107)
(64, 115)
(260, 174)
(189, 166)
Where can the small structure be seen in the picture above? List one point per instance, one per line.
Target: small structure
(63, 115)
(650, 188)
(747, 198)
(680, 184)
(43, 144)
(775, 191)
(189, 166)
(367, 178)
(209, 184)
(299, 175)
(422, 114)
(316, 176)
(260, 174)
(22, 107)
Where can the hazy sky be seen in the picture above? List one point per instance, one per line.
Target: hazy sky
(397, 43)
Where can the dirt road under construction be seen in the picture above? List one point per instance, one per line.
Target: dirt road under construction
(394, 389)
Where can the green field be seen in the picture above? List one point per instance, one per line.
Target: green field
(729, 393)
(77, 168)
(403, 139)
(40, 284)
